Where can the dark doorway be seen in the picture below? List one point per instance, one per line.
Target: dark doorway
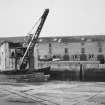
(83, 57)
(101, 58)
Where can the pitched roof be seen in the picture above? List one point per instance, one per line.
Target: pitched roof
(12, 39)
(58, 38)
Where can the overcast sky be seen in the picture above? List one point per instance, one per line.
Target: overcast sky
(66, 17)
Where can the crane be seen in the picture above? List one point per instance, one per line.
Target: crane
(35, 36)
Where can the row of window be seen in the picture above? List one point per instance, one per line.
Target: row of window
(81, 57)
(82, 50)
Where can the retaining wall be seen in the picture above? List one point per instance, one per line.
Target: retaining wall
(79, 71)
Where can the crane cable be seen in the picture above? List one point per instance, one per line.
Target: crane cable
(34, 26)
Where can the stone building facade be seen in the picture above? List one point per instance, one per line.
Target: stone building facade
(77, 48)
(69, 48)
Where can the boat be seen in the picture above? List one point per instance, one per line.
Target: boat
(45, 70)
(40, 75)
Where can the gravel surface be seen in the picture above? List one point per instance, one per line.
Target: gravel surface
(53, 93)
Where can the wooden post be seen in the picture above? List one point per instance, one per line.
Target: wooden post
(36, 57)
(81, 72)
(31, 59)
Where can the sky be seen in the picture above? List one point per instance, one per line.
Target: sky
(66, 17)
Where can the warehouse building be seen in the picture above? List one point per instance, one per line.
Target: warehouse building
(74, 48)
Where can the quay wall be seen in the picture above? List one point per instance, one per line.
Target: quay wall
(75, 70)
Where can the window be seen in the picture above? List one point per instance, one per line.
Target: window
(66, 50)
(100, 49)
(12, 52)
(82, 43)
(50, 45)
(50, 49)
(82, 50)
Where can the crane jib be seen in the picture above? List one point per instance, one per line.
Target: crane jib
(35, 37)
